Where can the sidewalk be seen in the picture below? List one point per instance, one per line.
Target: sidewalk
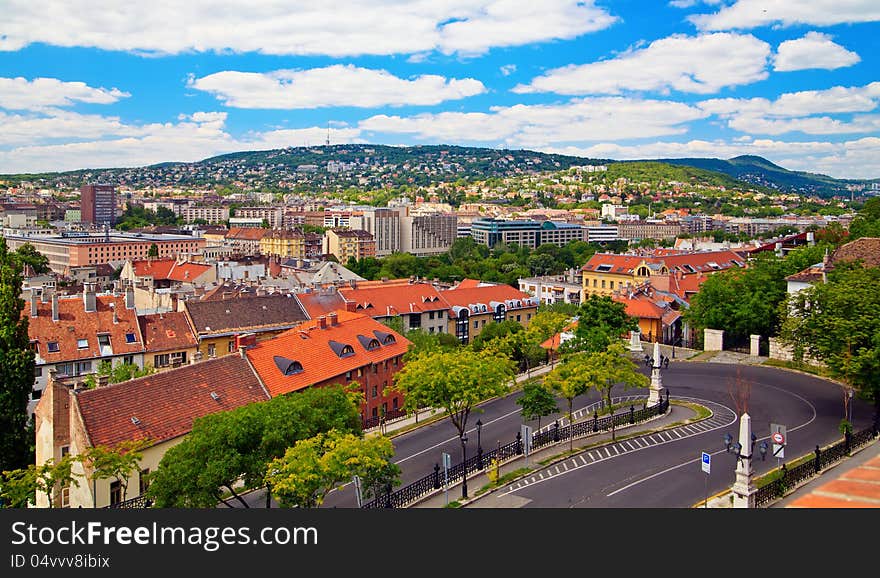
(677, 415)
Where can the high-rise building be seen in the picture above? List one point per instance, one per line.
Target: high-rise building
(98, 204)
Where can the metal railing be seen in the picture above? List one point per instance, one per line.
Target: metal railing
(432, 482)
(137, 503)
(793, 477)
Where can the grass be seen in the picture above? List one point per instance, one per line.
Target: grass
(805, 367)
(503, 480)
(453, 504)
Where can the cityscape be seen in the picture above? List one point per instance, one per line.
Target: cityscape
(489, 256)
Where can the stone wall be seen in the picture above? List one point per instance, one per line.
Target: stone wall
(713, 339)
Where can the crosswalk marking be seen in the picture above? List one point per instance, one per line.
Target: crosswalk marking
(583, 460)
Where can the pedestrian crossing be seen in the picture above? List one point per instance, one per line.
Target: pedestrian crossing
(722, 417)
(636, 400)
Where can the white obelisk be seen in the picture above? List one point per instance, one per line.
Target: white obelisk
(635, 340)
(744, 489)
(656, 381)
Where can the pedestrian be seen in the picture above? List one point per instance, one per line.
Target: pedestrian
(666, 363)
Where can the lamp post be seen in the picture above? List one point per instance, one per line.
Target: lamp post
(464, 466)
(479, 446)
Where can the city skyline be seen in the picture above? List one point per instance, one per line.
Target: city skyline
(96, 85)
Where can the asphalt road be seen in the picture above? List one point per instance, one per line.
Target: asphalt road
(642, 474)
(663, 475)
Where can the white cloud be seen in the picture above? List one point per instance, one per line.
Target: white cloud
(337, 85)
(580, 120)
(796, 111)
(23, 94)
(814, 50)
(342, 28)
(745, 14)
(508, 69)
(699, 64)
(114, 144)
(857, 159)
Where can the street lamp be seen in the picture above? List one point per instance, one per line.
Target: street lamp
(464, 466)
(728, 439)
(763, 449)
(479, 446)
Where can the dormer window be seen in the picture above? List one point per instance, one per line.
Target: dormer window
(52, 347)
(341, 349)
(130, 338)
(82, 343)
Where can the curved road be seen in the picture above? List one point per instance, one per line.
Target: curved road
(665, 474)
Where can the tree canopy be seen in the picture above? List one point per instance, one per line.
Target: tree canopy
(600, 322)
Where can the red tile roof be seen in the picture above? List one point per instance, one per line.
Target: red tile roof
(74, 325)
(487, 294)
(246, 233)
(313, 349)
(394, 298)
(687, 263)
(165, 404)
(319, 303)
(169, 269)
(165, 331)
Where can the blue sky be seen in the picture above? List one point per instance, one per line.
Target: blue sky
(96, 83)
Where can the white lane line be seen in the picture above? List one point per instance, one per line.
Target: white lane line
(565, 466)
(630, 445)
(557, 469)
(591, 457)
(400, 461)
(616, 452)
(606, 451)
(540, 475)
(583, 460)
(675, 431)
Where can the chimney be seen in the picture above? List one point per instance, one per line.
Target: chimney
(129, 297)
(44, 295)
(115, 315)
(89, 299)
(33, 302)
(811, 238)
(334, 319)
(350, 306)
(54, 306)
(322, 322)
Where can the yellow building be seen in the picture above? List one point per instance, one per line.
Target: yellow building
(349, 243)
(284, 243)
(473, 305)
(606, 273)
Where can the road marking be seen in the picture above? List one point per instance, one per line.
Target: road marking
(540, 475)
(616, 452)
(583, 460)
(565, 466)
(606, 451)
(557, 469)
(630, 445)
(591, 457)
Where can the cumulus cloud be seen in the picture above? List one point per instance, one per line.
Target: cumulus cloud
(508, 69)
(580, 120)
(337, 85)
(342, 28)
(22, 94)
(814, 50)
(698, 64)
(798, 111)
(91, 141)
(857, 159)
(744, 14)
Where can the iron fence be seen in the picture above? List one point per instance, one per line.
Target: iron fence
(389, 417)
(410, 493)
(793, 477)
(138, 503)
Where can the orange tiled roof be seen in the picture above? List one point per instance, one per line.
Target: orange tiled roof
(553, 342)
(486, 295)
(389, 299)
(165, 404)
(165, 331)
(319, 352)
(318, 303)
(246, 233)
(686, 262)
(169, 269)
(75, 325)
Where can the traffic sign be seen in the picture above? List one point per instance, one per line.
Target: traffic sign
(777, 434)
(357, 490)
(706, 462)
(526, 439)
(447, 461)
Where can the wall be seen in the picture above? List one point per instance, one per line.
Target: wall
(713, 340)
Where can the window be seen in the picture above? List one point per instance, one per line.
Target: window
(439, 315)
(144, 481)
(415, 321)
(212, 351)
(347, 376)
(375, 392)
(128, 359)
(38, 371)
(115, 492)
(163, 360)
(65, 496)
(594, 283)
(230, 347)
(52, 347)
(430, 330)
(104, 345)
(603, 283)
(375, 368)
(612, 284)
(375, 412)
(528, 316)
(484, 323)
(394, 403)
(430, 315)
(65, 450)
(130, 337)
(394, 361)
(36, 394)
(83, 367)
(360, 371)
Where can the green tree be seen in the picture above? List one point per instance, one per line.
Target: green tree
(18, 487)
(16, 366)
(313, 467)
(227, 447)
(537, 401)
(118, 462)
(153, 251)
(610, 368)
(455, 381)
(867, 222)
(569, 379)
(546, 324)
(601, 321)
(837, 323)
(28, 255)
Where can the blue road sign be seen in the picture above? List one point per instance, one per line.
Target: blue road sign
(707, 462)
